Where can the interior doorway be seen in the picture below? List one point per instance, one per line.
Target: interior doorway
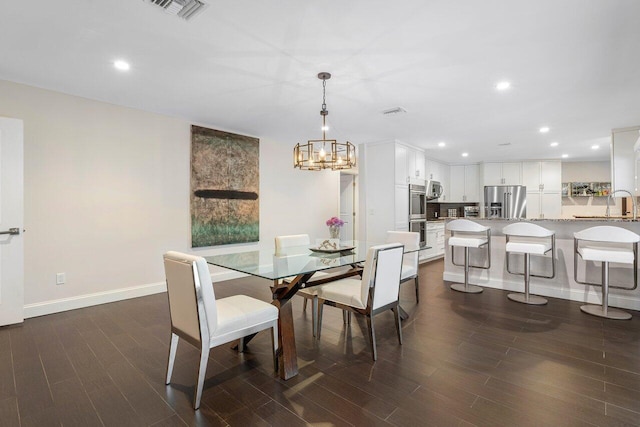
(348, 205)
(11, 221)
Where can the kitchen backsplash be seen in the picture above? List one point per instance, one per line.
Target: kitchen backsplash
(438, 210)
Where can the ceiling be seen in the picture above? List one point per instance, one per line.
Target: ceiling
(250, 67)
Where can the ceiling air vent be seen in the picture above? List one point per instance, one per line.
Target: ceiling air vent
(185, 9)
(395, 110)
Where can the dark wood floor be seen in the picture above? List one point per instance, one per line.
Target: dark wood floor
(466, 360)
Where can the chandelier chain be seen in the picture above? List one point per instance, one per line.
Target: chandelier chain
(324, 89)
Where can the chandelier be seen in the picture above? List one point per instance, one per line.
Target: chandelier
(318, 154)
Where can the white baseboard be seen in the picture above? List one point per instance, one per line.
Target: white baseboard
(88, 300)
(591, 294)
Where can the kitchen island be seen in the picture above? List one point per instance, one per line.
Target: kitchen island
(563, 284)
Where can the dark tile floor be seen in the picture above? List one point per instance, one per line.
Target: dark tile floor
(466, 360)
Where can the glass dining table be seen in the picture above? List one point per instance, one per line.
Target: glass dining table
(298, 264)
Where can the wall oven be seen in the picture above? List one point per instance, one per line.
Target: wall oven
(417, 202)
(419, 226)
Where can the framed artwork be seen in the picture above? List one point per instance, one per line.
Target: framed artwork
(225, 180)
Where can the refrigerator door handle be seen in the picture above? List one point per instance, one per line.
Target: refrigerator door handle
(508, 206)
(504, 206)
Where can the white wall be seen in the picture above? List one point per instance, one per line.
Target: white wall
(107, 192)
(587, 172)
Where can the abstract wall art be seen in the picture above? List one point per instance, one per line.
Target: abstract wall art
(225, 183)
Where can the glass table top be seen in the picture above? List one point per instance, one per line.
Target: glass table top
(264, 262)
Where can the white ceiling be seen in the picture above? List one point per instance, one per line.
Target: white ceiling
(251, 66)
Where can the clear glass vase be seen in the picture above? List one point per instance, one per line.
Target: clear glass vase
(334, 231)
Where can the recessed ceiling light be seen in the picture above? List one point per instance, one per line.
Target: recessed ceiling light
(441, 144)
(554, 144)
(595, 147)
(503, 85)
(564, 156)
(121, 65)
(465, 154)
(544, 129)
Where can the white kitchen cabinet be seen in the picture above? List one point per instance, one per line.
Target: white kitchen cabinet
(501, 173)
(401, 204)
(463, 184)
(544, 188)
(542, 176)
(401, 161)
(544, 205)
(435, 240)
(420, 165)
(410, 165)
(385, 189)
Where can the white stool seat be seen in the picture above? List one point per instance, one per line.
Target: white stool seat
(467, 241)
(528, 245)
(408, 271)
(606, 254)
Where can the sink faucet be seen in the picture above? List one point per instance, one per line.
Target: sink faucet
(633, 200)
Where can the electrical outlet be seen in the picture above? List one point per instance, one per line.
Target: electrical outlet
(60, 278)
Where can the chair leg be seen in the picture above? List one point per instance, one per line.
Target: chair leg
(202, 371)
(372, 337)
(172, 356)
(604, 310)
(304, 303)
(396, 312)
(274, 345)
(417, 289)
(314, 314)
(319, 318)
(346, 317)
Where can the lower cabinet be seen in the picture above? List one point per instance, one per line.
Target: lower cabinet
(544, 205)
(435, 239)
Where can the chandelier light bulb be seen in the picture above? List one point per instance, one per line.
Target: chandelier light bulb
(323, 154)
(325, 127)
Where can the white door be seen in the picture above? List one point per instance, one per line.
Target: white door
(551, 176)
(11, 216)
(533, 205)
(492, 174)
(551, 205)
(531, 176)
(347, 205)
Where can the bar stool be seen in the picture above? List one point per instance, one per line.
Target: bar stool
(529, 239)
(606, 244)
(468, 234)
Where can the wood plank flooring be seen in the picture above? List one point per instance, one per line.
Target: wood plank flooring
(466, 360)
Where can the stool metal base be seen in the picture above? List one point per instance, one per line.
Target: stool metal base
(612, 313)
(524, 299)
(469, 289)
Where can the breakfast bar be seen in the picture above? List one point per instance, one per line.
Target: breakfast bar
(563, 284)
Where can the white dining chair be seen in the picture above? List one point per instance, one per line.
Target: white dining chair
(204, 322)
(411, 241)
(377, 291)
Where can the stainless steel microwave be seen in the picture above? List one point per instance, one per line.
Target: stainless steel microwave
(434, 189)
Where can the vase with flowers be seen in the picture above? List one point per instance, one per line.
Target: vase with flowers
(334, 223)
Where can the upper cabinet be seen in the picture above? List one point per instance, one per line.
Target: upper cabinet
(401, 164)
(623, 158)
(463, 184)
(410, 165)
(502, 173)
(542, 176)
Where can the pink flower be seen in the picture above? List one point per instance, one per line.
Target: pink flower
(335, 221)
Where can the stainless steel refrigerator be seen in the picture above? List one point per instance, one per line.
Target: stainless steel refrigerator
(505, 201)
